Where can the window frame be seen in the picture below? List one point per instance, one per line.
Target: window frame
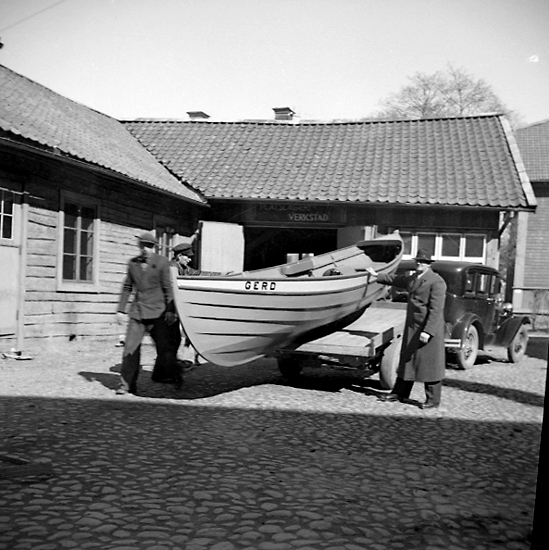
(165, 234)
(81, 201)
(14, 216)
(439, 236)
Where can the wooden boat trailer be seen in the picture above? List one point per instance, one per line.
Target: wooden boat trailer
(370, 344)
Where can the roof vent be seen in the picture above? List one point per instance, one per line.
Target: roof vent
(198, 115)
(283, 113)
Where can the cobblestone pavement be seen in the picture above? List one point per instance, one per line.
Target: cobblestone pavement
(241, 459)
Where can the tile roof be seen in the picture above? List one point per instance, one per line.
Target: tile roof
(452, 162)
(533, 142)
(31, 111)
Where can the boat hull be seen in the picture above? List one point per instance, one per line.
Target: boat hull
(232, 320)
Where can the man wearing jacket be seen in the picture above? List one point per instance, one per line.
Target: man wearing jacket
(422, 358)
(152, 311)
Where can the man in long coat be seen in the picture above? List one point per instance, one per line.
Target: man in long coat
(152, 311)
(422, 358)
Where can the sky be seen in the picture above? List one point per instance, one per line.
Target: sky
(238, 59)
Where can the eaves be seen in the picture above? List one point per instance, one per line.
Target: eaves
(52, 153)
(379, 204)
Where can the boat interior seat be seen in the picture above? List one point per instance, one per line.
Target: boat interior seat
(298, 268)
(340, 270)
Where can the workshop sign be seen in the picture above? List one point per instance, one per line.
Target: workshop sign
(299, 214)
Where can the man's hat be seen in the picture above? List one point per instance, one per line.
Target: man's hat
(423, 256)
(147, 238)
(186, 246)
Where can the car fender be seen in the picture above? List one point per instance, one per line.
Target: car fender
(508, 329)
(460, 329)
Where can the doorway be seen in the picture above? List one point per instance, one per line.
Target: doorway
(269, 246)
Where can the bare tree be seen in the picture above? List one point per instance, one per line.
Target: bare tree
(450, 93)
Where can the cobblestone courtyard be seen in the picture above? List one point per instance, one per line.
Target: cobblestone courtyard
(241, 459)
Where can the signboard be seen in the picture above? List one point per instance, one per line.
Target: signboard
(302, 214)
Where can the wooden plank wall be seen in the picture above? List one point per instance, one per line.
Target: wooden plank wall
(537, 260)
(126, 210)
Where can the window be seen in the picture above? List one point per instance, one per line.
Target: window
(482, 286)
(78, 243)
(407, 241)
(495, 286)
(7, 200)
(165, 237)
(474, 246)
(446, 246)
(470, 284)
(427, 242)
(78, 268)
(450, 246)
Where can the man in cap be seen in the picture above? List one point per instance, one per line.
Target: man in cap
(152, 311)
(422, 358)
(183, 255)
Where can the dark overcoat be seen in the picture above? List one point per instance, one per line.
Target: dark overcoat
(152, 287)
(424, 313)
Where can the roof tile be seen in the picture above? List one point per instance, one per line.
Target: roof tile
(533, 142)
(33, 112)
(454, 161)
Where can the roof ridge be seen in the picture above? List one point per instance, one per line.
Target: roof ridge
(310, 122)
(531, 125)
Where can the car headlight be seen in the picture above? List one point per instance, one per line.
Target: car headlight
(507, 309)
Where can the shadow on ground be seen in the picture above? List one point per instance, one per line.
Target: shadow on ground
(519, 396)
(412, 482)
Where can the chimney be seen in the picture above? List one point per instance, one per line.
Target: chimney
(198, 115)
(283, 113)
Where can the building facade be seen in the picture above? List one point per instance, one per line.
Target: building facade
(531, 289)
(77, 187)
(448, 185)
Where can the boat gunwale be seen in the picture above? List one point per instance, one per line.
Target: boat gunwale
(360, 272)
(271, 293)
(271, 278)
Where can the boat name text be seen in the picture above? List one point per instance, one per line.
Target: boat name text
(260, 285)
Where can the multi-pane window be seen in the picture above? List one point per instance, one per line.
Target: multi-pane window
(165, 237)
(7, 200)
(446, 246)
(78, 242)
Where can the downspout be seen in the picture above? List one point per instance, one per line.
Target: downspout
(20, 328)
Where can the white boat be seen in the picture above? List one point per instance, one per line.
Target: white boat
(232, 320)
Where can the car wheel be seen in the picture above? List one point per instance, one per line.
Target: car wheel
(467, 355)
(289, 367)
(517, 348)
(389, 364)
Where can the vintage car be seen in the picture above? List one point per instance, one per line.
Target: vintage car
(475, 314)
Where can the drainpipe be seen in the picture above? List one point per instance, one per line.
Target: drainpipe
(20, 328)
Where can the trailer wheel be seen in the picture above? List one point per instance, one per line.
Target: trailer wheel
(517, 348)
(389, 364)
(289, 367)
(467, 355)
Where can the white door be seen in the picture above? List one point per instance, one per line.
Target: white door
(9, 261)
(9, 277)
(221, 247)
